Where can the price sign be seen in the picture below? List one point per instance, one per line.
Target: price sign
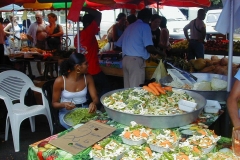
(83, 137)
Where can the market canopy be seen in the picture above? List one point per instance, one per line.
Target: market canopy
(19, 2)
(186, 3)
(10, 8)
(95, 4)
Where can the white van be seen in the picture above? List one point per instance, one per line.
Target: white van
(211, 20)
(176, 21)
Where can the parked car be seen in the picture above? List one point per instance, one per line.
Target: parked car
(211, 20)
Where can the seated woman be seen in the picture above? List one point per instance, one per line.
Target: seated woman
(70, 89)
(54, 32)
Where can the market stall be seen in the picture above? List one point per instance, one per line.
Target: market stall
(44, 150)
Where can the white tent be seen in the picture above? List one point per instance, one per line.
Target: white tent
(227, 22)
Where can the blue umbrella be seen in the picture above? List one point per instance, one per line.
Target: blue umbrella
(10, 8)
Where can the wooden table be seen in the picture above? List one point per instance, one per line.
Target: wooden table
(26, 63)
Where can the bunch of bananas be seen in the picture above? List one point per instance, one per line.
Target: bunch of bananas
(180, 45)
(102, 43)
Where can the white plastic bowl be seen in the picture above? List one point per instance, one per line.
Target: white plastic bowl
(186, 105)
(160, 149)
(132, 142)
(116, 158)
(207, 150)
(212, 106)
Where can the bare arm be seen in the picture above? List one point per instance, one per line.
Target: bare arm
(7, 29)
(203, 33)
(186, 33)
(95, 13)
(232, 103)
(152, 50)
(50, 30)
(114, 33)
(57, 90)
(93, 93)
(164, 42)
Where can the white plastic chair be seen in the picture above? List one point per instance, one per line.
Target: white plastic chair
(14, 86)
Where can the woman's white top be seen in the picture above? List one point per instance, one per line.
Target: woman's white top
(74, 97)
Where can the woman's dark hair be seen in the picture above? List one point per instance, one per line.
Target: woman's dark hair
(131, 18)
(68, 64)
(53, 15)
(163, 23)
(155, 16)
(120, 16)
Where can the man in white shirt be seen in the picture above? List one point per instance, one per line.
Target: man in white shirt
(197, 36)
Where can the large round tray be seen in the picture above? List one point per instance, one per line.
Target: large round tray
(154, 121)
(212, 95)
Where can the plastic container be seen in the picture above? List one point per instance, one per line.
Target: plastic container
(212, 106)
(116, 158)
(207, 150)
(132, 142)
(160, 149)
(187, 105)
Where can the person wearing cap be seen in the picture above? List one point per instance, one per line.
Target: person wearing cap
(197, 35)
(136, 42)
(88, 42)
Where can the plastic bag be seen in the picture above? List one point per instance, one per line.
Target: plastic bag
(160, 71)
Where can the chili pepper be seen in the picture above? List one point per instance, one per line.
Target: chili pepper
(39, 154)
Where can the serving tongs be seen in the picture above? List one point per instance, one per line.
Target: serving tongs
(187, 75)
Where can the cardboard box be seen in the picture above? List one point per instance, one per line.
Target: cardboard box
(83, 137)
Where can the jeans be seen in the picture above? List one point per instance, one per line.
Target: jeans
(195, 49)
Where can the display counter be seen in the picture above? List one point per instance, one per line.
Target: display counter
(114, 68)
(40, 150)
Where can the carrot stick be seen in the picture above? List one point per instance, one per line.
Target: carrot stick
(161, 90)
(150, 85)
(156, 84)
(149, 90)
(168, 88)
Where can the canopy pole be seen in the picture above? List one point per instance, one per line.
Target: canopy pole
(158, 6)
(230, 50)
(78, 36)
(66, 42)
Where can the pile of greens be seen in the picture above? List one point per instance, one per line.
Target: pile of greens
(79, 115)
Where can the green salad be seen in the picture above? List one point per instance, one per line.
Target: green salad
(79, 115)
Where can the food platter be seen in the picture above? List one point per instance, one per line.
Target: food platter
(71, 122)
(220, 96)
(157, 121)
